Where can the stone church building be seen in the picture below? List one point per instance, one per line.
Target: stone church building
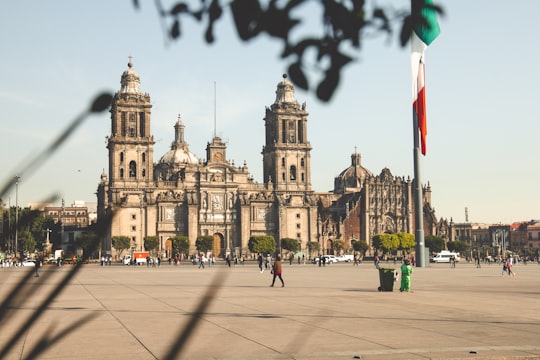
(181, 194)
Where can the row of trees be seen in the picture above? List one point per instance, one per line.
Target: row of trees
(33, 227)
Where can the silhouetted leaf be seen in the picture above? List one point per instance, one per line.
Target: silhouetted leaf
(179, 8)
(246, 15)
(175, 30)
(101, 103)
(297, 75)
(406, 31)
(277, 22)
(326, 88)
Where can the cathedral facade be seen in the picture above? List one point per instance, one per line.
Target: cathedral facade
(181, 194)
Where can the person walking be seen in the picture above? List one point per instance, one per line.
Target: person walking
(201, 261)
(509, 267)
(406, 273)
(37, 266)
(277, 270)
(260, 261)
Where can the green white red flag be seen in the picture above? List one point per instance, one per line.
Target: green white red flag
(424, 32)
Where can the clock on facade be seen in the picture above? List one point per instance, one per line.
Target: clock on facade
(218, 156)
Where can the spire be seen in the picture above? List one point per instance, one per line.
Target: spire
(179, 127)
(285, 91)
(130, 80)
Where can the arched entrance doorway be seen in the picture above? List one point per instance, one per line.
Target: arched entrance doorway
(168, 248)
(219, 245)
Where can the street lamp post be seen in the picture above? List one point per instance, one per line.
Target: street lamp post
(16, 214)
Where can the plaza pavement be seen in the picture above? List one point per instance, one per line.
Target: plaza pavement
(332, 312)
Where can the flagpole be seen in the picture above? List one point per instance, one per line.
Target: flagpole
(418, 198)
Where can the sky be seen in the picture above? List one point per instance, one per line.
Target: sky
(482, 78)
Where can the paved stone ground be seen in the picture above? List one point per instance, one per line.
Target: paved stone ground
(332, 312)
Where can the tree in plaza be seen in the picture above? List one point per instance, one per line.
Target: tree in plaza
(434, 243)
(385, 242)
(313, 246)
(291, 245)
(360, 246)
(344, 26)
(121, 243)
(26, 241)
(151, 243)
(406, 241)
(338, 246)
(204, 243)
(88, 241)
(180, 245)
(262, 244)
(458, 246)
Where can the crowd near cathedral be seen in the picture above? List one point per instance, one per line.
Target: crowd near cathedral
(180, 193)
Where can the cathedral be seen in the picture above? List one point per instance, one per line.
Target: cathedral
(181, 194)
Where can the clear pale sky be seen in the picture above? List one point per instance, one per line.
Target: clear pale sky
(482, 100)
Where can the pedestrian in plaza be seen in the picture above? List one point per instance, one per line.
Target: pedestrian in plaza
(277, 270)
(509, 267)
(291, 258)
(38, 265)
(406, 273)
(260, 261)
(478, 262)
(376, 261)
(201, 261)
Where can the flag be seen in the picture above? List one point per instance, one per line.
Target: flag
(425, 30)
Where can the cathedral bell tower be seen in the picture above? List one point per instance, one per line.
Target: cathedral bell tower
(131, 147)
(286, 153)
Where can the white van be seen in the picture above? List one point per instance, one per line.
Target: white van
(126, 260)
(445, 256)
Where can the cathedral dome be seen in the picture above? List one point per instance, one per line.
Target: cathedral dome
(130, 81)
(179, 156)
(352, 178)
(179, 153)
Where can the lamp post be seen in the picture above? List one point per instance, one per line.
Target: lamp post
(16, 214)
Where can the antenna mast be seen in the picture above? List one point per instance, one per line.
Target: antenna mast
(215, 116)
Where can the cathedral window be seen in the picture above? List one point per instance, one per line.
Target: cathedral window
(142, 124)
(132, 126)
(300, 132)
(282, 161)
(302, 177)
(132, 169)
(133, 228)
(283, 176)
(292, 132)
(121, 173)
(123, 124)
(143, 172)
(293, 172)
(143, 157)
(302, 162)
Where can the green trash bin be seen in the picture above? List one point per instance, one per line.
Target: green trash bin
(386, 277)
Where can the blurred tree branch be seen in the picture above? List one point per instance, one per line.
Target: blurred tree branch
(344, 25)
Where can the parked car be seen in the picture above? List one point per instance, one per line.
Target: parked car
(27, 263)
(445, 256)
(329, 259)
(345, 258)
